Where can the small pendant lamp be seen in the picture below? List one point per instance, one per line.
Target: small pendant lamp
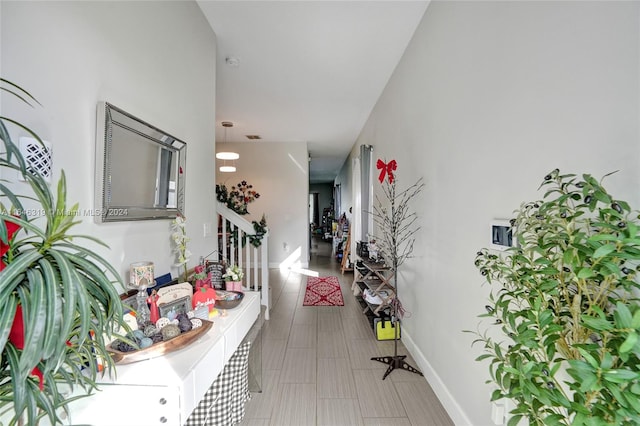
(227, 156)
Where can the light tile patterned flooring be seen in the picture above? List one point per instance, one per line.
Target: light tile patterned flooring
(317, 367)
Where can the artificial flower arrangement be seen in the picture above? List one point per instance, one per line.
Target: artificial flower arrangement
(238, 198)
(180, 239)
(233, 273)
(233, 278)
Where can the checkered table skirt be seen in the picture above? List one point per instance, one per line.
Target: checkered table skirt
(223, 404)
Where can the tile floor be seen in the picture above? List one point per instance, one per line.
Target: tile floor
(317, 368)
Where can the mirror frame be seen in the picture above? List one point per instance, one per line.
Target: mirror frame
(106, 211)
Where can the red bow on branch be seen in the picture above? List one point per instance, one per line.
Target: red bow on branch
(387, 168)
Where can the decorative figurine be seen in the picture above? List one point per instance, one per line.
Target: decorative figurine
(152, 300)
(373, 250)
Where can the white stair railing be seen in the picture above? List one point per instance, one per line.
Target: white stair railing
(254, 261)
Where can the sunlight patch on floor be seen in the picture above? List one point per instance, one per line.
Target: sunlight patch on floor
(307, 272)
(294, 264)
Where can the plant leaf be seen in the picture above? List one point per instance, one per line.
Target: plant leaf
(629, 342)
(34, 320)
(54, 310)
(604, 250)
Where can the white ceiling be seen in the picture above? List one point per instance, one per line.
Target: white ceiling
(308, 71)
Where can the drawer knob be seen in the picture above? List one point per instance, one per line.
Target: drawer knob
(162, 401)
(163, 419)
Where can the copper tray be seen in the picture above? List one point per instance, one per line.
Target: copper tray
(160, 348)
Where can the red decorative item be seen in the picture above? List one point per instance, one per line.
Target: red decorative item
(202, 282)
(16, 334)
(204, 296)
(386, 168)
(16, 337)
(152, 300)
(12, 228)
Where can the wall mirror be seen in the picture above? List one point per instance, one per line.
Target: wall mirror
(140, 169)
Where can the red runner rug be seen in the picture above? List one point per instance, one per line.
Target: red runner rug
(323, 291)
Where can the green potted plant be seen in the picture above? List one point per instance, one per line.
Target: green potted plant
(564, 347)
(58, 302)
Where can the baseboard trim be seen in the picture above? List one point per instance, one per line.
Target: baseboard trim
(273, 265)
(449, 403)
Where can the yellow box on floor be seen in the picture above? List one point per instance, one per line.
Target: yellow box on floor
(385, 330)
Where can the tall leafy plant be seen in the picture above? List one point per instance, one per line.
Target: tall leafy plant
(58, 299)
(565, 308)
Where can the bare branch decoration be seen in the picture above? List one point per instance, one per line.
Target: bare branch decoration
(397, 225)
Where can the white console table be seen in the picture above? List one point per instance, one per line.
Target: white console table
(165, 390)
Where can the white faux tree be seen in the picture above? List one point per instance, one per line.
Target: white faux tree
(396, 226)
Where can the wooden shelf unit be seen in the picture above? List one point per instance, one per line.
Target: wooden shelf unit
(375, 277)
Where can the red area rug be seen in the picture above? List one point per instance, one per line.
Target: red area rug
(323, 291)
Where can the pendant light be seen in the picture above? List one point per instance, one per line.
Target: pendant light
(227, 156)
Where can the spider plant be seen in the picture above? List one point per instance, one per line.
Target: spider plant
(64, 293)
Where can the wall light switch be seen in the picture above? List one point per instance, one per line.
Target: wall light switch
(207, 229)
(497, 413)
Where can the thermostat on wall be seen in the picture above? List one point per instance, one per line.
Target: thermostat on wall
(501, 235)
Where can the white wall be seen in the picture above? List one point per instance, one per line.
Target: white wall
(344, 180)
(154, 59)
(488, 98)
(279, 172)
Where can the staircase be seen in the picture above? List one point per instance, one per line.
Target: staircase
(254, 261)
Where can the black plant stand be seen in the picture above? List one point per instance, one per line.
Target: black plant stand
(396, 361)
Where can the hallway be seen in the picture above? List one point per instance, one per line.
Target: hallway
(317, 368)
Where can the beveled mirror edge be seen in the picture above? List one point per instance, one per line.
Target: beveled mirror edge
(104, 212)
